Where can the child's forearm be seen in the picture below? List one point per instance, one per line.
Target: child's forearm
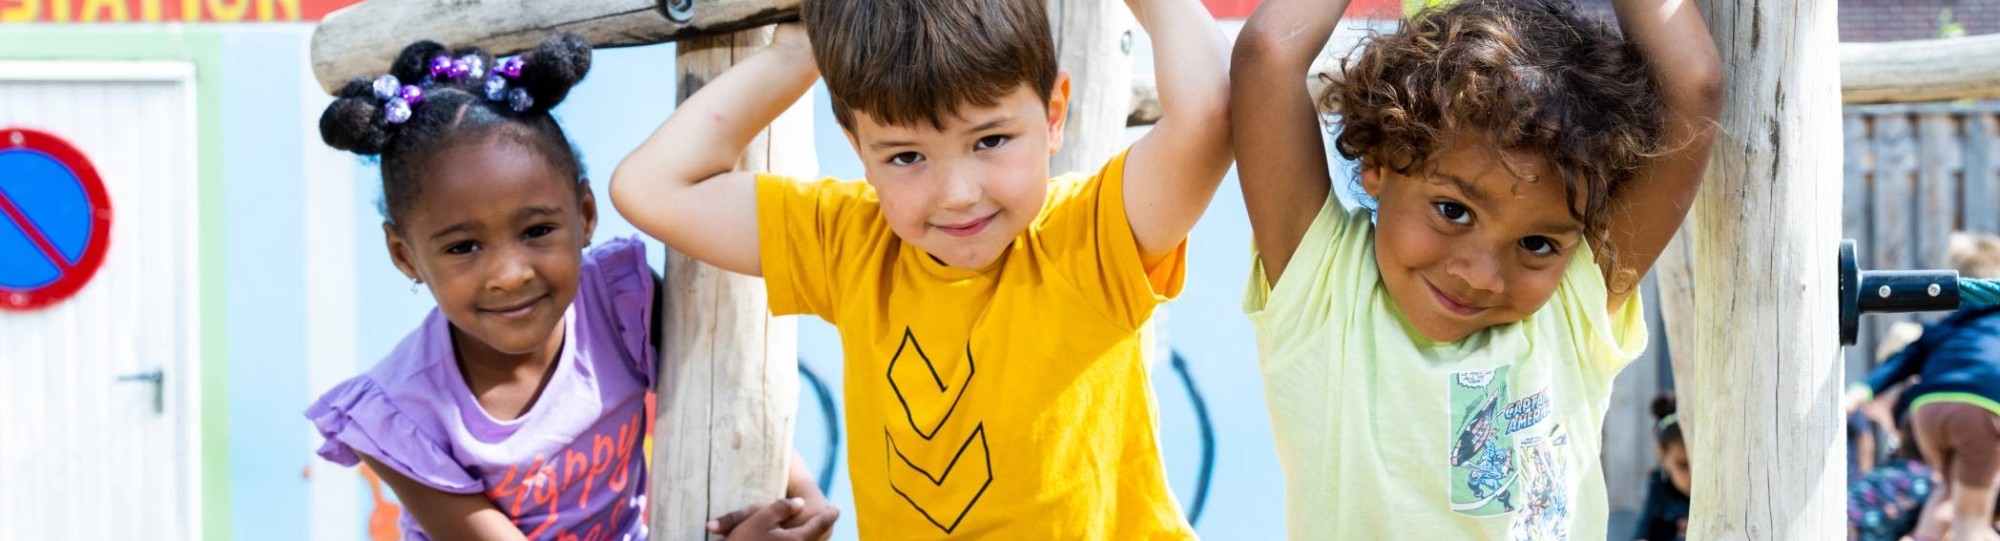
(709, 131)
(1287, 34)
(1677, 47)
(1189, 59)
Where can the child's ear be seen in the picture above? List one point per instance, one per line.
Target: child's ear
(587, 205)
(399, 251)
(1058, 110)
(1371, 179)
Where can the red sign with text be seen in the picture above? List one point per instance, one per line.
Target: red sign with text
(168, 11)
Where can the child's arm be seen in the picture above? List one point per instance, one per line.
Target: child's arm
(1281, 162)
(680, 187)
(1172, 171)
(1646, 213)
(447, 516)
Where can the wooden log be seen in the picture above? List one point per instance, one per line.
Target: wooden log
(1094, 44)
(1766, 436)
(361, 40)
(728, 385)
(1922, 70)
(1857, 164)
(1674, 273)
(1935, 70)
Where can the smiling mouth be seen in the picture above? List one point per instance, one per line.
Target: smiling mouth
(1451, 304)
(967, 229)
(517, 310)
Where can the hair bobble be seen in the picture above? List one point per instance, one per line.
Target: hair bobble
(498, 89)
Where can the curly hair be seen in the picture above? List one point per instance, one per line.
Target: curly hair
(455, 111)
(1531, 75)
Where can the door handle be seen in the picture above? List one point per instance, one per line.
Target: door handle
(158, 378)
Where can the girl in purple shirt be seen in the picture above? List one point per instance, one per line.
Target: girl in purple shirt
(517, 410)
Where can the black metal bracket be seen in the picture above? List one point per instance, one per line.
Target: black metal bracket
(1889, 291)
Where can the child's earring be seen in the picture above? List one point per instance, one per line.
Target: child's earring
(414, 282)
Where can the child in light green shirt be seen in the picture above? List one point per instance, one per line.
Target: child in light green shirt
(1438, 363)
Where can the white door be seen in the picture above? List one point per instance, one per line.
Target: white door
(99, 435)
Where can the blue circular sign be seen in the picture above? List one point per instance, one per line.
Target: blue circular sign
(55, 219)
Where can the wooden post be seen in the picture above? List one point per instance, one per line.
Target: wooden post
(1767, 435)
(1857, 163)
(1674, 273)
(728, 385)
(1094, 40)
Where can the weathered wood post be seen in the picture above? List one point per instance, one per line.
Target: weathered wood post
(728, 385)
(1767, 406)
(1094, 43)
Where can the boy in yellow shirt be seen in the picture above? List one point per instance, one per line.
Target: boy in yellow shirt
(989, 314)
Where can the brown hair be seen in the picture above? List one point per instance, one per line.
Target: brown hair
(904, 61)
(1531, 75)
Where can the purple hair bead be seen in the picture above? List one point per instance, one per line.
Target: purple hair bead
(496, 87)
(440, 66)
(396, 112)
(386, 86)
(519, 100)
(510, 67)
(411, 95)
(475, 67)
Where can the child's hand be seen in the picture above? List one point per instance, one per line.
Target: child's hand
(769, 522)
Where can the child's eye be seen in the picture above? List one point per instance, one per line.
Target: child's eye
(905, 159)
(538, 231)
(991, 142)
(1454, 212)
(462, 248)
(1540, 246)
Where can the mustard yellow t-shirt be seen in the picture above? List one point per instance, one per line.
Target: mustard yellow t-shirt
(1383, 434)
(1003, 403)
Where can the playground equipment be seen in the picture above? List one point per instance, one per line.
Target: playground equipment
(1761, 394)
(1894, 291)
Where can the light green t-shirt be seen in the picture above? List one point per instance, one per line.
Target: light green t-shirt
(1384, 434)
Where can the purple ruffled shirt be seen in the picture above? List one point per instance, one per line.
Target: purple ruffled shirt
(571, 467)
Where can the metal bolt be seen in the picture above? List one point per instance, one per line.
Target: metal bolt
(16, 138)
(679, 11)
(1884, 292)
(1936, 289)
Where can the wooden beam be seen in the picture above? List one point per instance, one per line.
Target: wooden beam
(1918, 71)
(729, 385)
(362, 40)
(1883, 72)
(1766, 433)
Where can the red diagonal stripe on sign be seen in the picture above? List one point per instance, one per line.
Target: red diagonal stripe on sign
(34, 234)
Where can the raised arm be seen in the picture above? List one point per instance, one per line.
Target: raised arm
(680, 185)
(446, 516)
(1280, 160)
(1682, 58)
(1171, 172)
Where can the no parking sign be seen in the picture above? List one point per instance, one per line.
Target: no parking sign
(55, 219)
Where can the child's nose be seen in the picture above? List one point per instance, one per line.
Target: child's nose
(510, 273)
(1479, 269)
(961, 191)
